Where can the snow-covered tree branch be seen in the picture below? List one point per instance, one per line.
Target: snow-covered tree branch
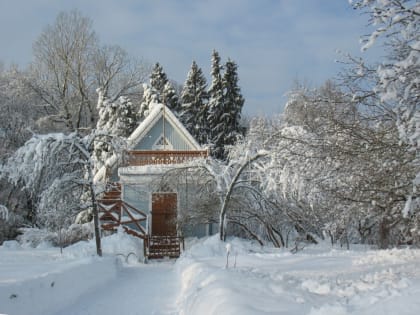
(57, 170)
(4, 213)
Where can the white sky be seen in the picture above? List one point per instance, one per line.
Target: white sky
(274, 42)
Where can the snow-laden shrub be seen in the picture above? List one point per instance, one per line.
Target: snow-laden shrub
(4, 213)
(32, 237)
(9, 227)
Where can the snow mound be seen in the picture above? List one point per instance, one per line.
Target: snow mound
(10, 245)
(46, 283)
(42, 281)
(316, 287)
(213, 246)
(392, 256)
(314, 281)
(118, 244)
(330, 310)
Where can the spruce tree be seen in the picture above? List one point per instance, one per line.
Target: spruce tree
(194, 106)
(117, 118)
(216, 109)
(125, 117)
(160, 91)
(170, 98)
(158, 79)
(234, 102)
(149, 96)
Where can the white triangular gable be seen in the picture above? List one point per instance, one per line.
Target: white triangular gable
(157, 112)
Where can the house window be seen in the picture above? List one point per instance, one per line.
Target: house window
(162, 144)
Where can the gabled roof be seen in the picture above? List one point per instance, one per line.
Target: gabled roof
(157, 111)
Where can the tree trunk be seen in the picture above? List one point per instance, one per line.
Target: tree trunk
(245, 228)
(95, 214)
(282, 243)
(383, 234)
(226, 199)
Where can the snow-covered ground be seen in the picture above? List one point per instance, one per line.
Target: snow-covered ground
(317, 280)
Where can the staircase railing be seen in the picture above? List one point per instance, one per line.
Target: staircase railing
(164, 246)
(139, 158)
(116, 212)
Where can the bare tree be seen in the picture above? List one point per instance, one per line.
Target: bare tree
(70, 65)
(17, 111)
(117, 74)
(62, 69)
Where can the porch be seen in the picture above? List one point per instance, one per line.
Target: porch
(153, 157)
(164, 242)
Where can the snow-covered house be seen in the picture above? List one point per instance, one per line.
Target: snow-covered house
(137, 199)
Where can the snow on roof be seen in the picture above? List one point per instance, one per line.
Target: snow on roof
(156, 112)
(154, 169)
(150, 169)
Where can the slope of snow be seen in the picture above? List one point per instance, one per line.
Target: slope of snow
(47, 291)
(317, 280)
(139, 289)
(314, 281)
(43, 281)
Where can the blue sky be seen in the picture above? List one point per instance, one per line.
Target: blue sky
(274, 42)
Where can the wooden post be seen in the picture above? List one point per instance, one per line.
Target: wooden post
(96, 222)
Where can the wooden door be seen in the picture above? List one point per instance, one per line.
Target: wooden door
(164, 214)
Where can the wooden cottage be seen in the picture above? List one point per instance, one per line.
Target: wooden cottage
(136, 199)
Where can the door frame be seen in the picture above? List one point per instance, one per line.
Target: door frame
(175, 210)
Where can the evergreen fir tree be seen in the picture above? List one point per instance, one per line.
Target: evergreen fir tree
(125, 117)
(170, 98)
(194, 106)
(234, 102)
(101, 149)
(158, 79)
(150, 95)
(117, 118)
(159, 91)
(216, 109)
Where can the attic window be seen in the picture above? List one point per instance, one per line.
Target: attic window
(162, 144)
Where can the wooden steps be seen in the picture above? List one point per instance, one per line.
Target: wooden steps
(115, 212)
(164, 246)
(113, 191)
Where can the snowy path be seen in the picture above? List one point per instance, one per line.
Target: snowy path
(316, 281)
(146, 289)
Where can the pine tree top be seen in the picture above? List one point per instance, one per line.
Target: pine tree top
(158, 78)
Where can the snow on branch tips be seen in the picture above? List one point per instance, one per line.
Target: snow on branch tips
(4, 213)
(56, 169)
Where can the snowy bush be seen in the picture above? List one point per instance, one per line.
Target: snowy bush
(4, 213)
(117, 120)
(32, 237)
(9, 227)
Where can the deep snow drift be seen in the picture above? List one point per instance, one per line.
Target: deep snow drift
(317, 280)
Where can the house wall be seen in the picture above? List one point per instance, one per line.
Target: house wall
(114, 175)
(137, 191)
(174, 137)
(137, 196)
